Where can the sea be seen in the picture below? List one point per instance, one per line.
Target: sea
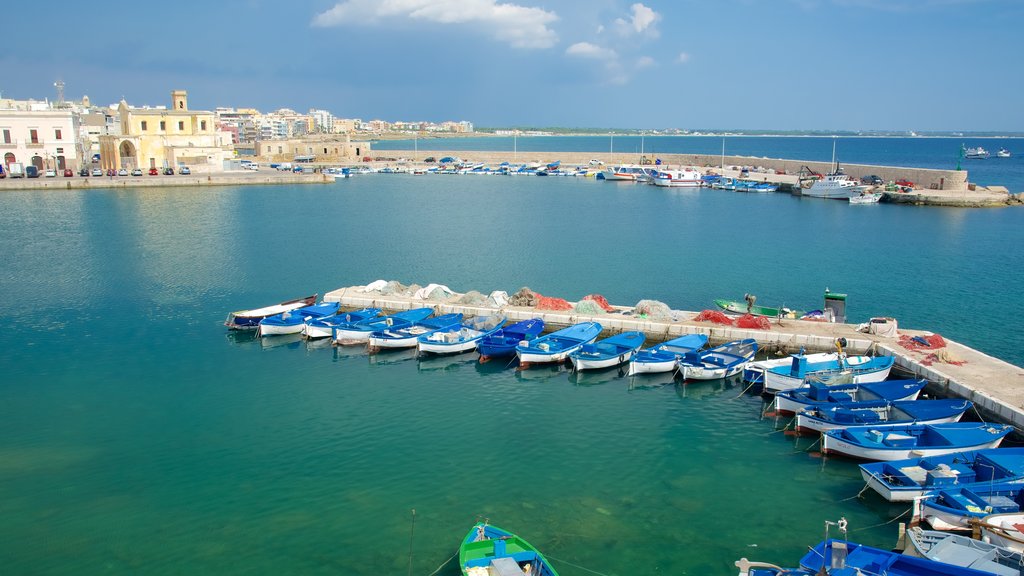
(139, 436)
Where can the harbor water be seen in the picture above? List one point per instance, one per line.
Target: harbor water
(139, 436)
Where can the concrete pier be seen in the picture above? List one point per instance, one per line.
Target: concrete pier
(996, 387)
(245, 178)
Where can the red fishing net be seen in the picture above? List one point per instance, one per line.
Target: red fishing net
(713, 316)
(552, 303)
(600, 301)
(922, 342)
(754, 322)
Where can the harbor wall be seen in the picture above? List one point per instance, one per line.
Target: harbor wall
(249, 178)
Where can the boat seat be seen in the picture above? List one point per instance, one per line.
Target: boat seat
(505, 566)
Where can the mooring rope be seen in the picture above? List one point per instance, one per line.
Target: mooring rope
(443, 564)
(783, 429)
(549, 556)
(816, 442)
(884, 523)
(744, 391)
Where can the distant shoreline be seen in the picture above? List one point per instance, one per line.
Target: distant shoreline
(406, 136)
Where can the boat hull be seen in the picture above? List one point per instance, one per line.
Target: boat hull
(705, 373)
(279, 329)
(652, 367)
(806, 423)
(446, 348)
(832, 443)
(541, 357)
(580, 363)
(775, 382)
(250, 319)
(314, 331)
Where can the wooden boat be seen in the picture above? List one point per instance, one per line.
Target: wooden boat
(324, 327)
(359, 332)
(665, 357)
(856, 369)
(754, 371)
(866, 198)
(790, 402)
(407, 336)
(963, 551)
(462, 337)
(881, 413)
(903, 441)
(718, 362)
(608, 352)
(1005, 530)
(844, 558)
(905, 480)
(504, 341)
(734, 307)
(291, 322)
(954, 507)
(556, 346)
(250, 319)
(491, 551)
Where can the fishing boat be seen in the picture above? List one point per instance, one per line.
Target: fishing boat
(902, 441)
(460, 338)
(905, 480)
(856, 369)
(491, 551)
(504, 341)
(665, 357)
(816, 394)
(681, 178)
(359, 332)
(250, 319)
(624, 173)
(866, 198)
(963, 551)
(881, 413)
(976, 153)
(324, 327)
(608, 352)
(718, 362)
(291, 322)
(754, 371)
(734, 307)
(835, 186)
(1003, 153)
(1005, 530)
(556, 346)
(844, 558)
(955, 507)
(408, 336)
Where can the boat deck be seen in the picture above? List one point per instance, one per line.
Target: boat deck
(995, 386)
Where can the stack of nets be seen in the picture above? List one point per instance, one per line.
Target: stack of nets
(922, 342)
(472, 298)
(588, 307)
(943, 357)
(552, 303)
(524, 297)
(600, 301)
(714, 316)
(394, 287)
(754, 322)
(653, 310)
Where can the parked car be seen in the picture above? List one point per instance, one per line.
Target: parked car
(168, 171)
(136, 171)
(111, 172)
(3, 173)
(154, 172)
(905, 183)
(872, 180)
(97, 172)
(123, 172)
(31, 171)
(83, 172)
(184, 171)
(50, 173)
(429, 160)
(68, 173)
(297, 169)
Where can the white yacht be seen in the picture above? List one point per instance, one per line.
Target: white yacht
(1003, 153)
(978, 153)
(835, 185)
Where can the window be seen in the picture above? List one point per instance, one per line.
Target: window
(325, 150)
(33, 135)
(7, 136)
(163, 126)
(143, 125)
(279, 150)
(202, 125)
(56, 133)
(181, 125)
(60, 150)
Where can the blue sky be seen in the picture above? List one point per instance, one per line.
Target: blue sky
(749, 64)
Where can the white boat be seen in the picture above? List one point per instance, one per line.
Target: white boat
(835, 185)
(408, 337)
(681, 178)
(1003, 153)
(866, 198)
(664, 357)
(903, 441)
(977, 153)
(963, 551)
(1004, 530)
(625, 173)
(609, 352)
(718, 362)
(754, 371)
(845, 369)
(460, 338)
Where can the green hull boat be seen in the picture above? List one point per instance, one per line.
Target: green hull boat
(734, 307)
(490, 551)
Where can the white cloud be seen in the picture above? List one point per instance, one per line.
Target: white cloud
(520, 26)
(645, 62)
(642, 21)
(588, 50)
(683, 58)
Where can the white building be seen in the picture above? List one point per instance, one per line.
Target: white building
(39, 135)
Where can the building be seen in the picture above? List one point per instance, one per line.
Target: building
(324, 149)
(160, 137)
(37, 134)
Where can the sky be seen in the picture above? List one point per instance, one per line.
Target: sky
(692, 64)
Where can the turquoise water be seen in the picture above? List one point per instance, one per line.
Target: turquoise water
(140, 437)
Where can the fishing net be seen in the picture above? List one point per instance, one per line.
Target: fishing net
(653, 309)
(753, 322)
(472, 298)
(922, 342)
(411, 290)
(524, 297)
(600, 301)
(943, 357)
(713, 316)
(552, 303)
(394, 287)
(590, 307)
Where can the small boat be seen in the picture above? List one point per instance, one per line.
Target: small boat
(718, 362)
(625, 172)
(866, 198)
(734, 307)
(905, 480)
(359, 332)
(881, 413)
(836, 186)
(1005, 530)
(1003, 153)
(816, 394)
(407, 336)
(844, 558)
(977, 153)
(291, 322)
(682, 178)
(556, 346)
(963, 551)
(250, 319)
(665, 357)
(902, 441)
(324, 327)
(754, 371)
(955, 507)
(608, 352)
(504, 341)
(856, 369)
(491, 551)
(460, 338)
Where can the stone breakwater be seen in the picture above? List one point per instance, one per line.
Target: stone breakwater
(247, 178)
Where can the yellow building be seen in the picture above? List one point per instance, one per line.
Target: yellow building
(314, 148)
(160, 137)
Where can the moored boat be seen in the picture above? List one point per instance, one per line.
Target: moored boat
(665, 357)
(790, 402)
(905, 480)
(608, 352)
(718, 362)
(408, 336)
(681, 178)
(963, 551)
(504, 341)
(291, 322)
(462, 337)
(881, 413)
(754, 371)
(903, 441)
(1006, 530)
(955, 507)
(250, 319)
(324, 327)
(734, 307)
(491, 551)
(359, 332)
(556, 346)
(866, 198)
(624, 173)
(834, 186)
(856, 369)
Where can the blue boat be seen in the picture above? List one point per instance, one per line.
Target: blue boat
(954, 507)
(250, 319)
(790, 402)
(881, 413)
(844, 558)
(556, 346)
(491, 551)
(856, 369)
(906, 480)
(608, 352)
(460, 338)
(718, 362)
(407, 336)
(902, 441)
(665, 357)
(324, 327)
(291, 322)
(504, 341)
(359, 332)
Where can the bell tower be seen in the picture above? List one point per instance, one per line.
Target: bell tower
(179, 100)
